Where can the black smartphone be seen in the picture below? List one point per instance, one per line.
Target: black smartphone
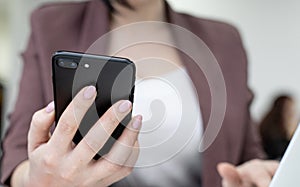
(113, 78)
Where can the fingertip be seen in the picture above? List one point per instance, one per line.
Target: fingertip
(137, 122)
(124, 106)
(89, 92)
(222, 168)
(229, 172)
(50, 107)
(139, 117)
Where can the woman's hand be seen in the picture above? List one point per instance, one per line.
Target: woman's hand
(255, 173)
(56, 161)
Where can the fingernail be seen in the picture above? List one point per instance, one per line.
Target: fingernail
(50, 107)
(89, 92)
(137, 122)
(124, 106)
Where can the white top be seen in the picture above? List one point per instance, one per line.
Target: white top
(170, 135)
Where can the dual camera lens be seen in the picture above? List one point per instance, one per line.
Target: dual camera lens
(70, 64)
(67, 64)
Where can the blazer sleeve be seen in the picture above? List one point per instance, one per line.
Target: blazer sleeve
(252, 148)
(30, 99)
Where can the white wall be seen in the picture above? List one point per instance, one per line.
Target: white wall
(270, 29)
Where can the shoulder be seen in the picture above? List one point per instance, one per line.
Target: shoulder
(222, 38)
(224, 41)
(61, 8)
(212, 29)
(209, 23)
(58, 12)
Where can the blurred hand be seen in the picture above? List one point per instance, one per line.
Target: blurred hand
(255, 173)
(56, 161)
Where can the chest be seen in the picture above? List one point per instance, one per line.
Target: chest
(151, 50)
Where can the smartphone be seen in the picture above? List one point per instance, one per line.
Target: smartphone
(113, 78)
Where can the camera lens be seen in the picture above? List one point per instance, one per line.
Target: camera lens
(73, 65)
(61, 63)
(67, 63)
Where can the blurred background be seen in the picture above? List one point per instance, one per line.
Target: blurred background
(270, 30)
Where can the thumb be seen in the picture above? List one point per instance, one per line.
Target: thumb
(40, 125)
(230, 175)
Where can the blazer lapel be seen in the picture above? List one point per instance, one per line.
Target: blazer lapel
(217, 151)
(95, 25)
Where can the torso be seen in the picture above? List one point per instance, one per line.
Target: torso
(168, 146)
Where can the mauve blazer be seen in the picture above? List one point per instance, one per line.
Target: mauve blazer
(75, 26)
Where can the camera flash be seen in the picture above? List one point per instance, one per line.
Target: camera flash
(86, 65)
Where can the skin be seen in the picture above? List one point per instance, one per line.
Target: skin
(144, 11)
(55, 161)
(254, 173)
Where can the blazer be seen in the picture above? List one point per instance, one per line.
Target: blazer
(75, 26)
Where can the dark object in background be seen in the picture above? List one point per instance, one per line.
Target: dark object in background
(278, 126)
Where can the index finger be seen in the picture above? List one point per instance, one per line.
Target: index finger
(71, 118)
(40, 126)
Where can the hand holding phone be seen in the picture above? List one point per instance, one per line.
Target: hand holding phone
(56, 161)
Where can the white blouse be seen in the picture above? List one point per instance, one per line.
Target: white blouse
(170, 135)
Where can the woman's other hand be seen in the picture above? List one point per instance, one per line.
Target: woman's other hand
(255, 173)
